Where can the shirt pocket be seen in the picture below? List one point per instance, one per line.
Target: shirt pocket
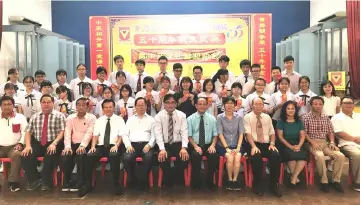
(16, 128)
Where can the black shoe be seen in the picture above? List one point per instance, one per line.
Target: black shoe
(76, 187)
(356, 187)
(84, 191)
(15, 186)
(237, 186)
(337, 187)
(229, 185)
(118, 190)
(66, 187)
(34, 185)
(275, 189)
(325, 187)
(211, 186)
(45, 187)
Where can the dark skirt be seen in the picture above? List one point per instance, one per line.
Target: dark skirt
(290, 155)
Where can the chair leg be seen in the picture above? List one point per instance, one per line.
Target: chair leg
(103, 164)
(306, 175)
(250, 176)
(245, 171)
(160, 177)
(62, 178)
(55, 177)
(5, 170)
(93, 178)
(151, 178)
(312, 171)
(189, 173)
(350, 180)
(186, 177)
(125, 178)
(220, 171)
(282, 172)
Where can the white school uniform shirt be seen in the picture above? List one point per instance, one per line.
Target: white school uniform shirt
(174, 82)
(74, 87)
(155, 95)
(270, 88)
(248, 87)
(117, 126)
(218, 87)
(307, 107)
(159, 101)
(99, 110)
(231, 77)
(139, 130)
(113, 80)
(249, 99)
(329, 108)
(13, 129)
(242, 79)
(344, 123)
(95, 84)
(216, 102)
(57, 106)
(30, 105)
(21, 88)
(130, 106)
(241, 110)
(180, 128)
(276, 99)
(134, 81)
(195, 85)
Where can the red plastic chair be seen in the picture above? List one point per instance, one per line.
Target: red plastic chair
(311, 180)
(139, 159)
(350, 177)
(222, 161)
(160, 174)
(250, 172)
(205, 159)
(103, 162)
(282, 173)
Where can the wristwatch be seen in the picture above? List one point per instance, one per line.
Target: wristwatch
(272, 143)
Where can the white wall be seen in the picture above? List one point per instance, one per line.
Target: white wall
(320, 9)
(37, 10)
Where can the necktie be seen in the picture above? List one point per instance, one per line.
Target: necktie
(30, 100)
(126, 112)
(81, 88)
(170, 128)
(149, 107)
(202, 137)
(275, 90)
(259, 130)
(246, 79)
(107, 134)
(44, 131)
(304, 98)
(176, 87)
(139, 83)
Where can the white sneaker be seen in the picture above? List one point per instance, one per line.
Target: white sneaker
(75, 169)
(1, 168)
(40, 168)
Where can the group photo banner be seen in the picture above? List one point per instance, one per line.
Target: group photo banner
(187, 39)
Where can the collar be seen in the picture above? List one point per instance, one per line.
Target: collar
(225, 116)
(256, 115)
(198, 115)
(145, 115)
(62, 102)
(285, 72)
(11, 116)
(52, 112)
(352, 115)
(314, 116)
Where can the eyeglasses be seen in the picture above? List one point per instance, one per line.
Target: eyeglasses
(7, 104)
(255, 71)
(348, 103)
(170, 103)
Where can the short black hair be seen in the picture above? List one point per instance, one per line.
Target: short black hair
(120, 73)
(28, 77)
(163, 58)
(108, 88)
(60, 72)
(177, 65)
(186, 79)
(284, 79)
(12, 71)
(81, 64)
(82, 99)
(7, 98)
(118, 57)
(288, 58)
(39, 72)
(255, 65)
(200, 98)
(261, 79)
(169, 96)
(245, 62)
(61, 89)
(148, 79)
(229, 98)
(316, 98)
(306, 78)
(237, 85)
(165, 78)
(284, 109)
(347, 97)
(108, 101)
(101, 69)
(224, 58)
(45, 83)
(140, 98)
(327, 82)
(206, 81)
(140, 61)
(198, 67)
(47, 96)
(126, 87)
(9, 86)
(276, 68)
(87, 85)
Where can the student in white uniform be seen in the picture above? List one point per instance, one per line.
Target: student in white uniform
(46, 88)
(272, 87)
(136, 82)
(223, 62)
(277, 99)
(259, 86)
(162, 63)
(126, 103)
(30, 99)
(197, 81)
(119, 62)
(304, 96)
(100, 83)
(177, 77)
(240, 101)
(121, 79)
(88, 94)
(256, 73)
(13, 77)
(9, 90)
(150, 95)
(332, 104)
(40, 76)
(222, 85)
(165, 89)
(61, 79)
(77, 83)
(212, 98)
(246, 76)
(63, 105)
(106, 94)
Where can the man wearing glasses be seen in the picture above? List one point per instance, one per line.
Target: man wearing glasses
(346, 125)
(171, 134)
(175, 81)
(162, 63)
(248, 87)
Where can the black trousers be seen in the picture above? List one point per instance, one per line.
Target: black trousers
(179, 165)
(30, 162)
(145, 166)
(274, 160)
(68, 161)
(196, 160)
(92, 159)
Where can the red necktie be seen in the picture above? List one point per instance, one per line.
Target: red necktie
(139, 83)
(149, 107)
(44, 132)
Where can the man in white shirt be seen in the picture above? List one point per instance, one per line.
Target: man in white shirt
(139, 139)
(248, 87)
(119, 62)
(272, 87)
(107, 137)
(261, 138)
(197, 81)
(171, 133)
(347, 128)
(245, 76)
(294, 77)
(162, 63)
(12, 136)
(175, 83)
(136, 82)
(76, 85)
(223, 62)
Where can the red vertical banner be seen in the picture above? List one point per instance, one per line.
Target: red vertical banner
(99, 46)
(262, 44)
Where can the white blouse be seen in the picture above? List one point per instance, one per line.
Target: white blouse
(329, 108)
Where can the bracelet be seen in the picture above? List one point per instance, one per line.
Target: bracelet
(272, 143)
(332, 143)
